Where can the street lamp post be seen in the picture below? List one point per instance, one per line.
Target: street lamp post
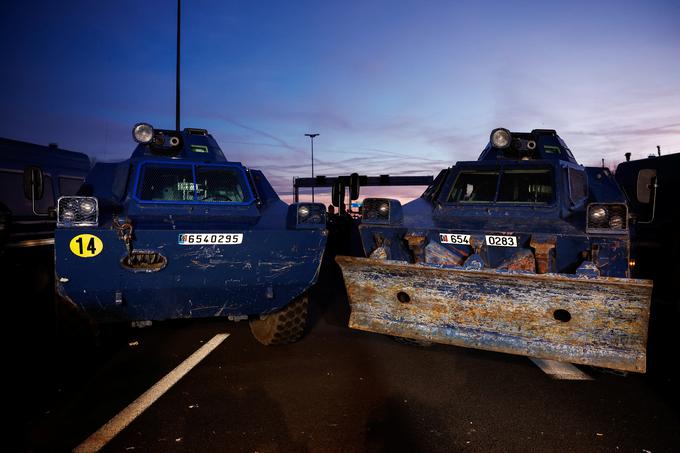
(311, 136)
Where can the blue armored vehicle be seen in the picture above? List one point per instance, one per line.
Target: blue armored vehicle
(523, 251)
(178, 231)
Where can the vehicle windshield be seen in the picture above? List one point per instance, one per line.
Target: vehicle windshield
(189, 183)
(516, 186)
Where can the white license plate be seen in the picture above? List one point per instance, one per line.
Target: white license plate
(501, 241)
(453, 238)
(210, 238)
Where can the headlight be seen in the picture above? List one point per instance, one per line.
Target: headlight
(68, 215)
(501, 138)
(381, 210)
(87, 206)
(616, 222)
(142, 133)
(607, 218)
(307, 215)
(77, 211)
(303, 211)
(598, 215)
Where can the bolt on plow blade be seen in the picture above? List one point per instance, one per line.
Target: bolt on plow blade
(591, 321)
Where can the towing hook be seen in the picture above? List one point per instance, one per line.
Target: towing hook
(124, 231)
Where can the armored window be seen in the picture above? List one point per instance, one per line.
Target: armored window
(192, 183)
(526, 186)
(215, 184)
(516, 186)
(166, 183)
(475, 187)
(433, 190)
(578, 185)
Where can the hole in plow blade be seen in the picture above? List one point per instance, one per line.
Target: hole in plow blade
(145, 261)
(403, 297)
(562, 315)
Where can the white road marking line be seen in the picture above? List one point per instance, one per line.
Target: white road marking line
(561, 370)
(118, 423)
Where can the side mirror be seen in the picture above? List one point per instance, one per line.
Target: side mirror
(354, 186)
(645, 184)
(338, 194)
(34, 186)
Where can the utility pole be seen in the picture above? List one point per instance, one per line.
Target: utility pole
(311, 136)
(179, 14)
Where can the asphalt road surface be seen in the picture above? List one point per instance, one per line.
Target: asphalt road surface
(336, 390)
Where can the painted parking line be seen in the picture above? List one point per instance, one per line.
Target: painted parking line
(561, 370)
(118, 423)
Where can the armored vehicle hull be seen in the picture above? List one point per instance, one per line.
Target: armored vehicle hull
(523, 251)
(177, 231)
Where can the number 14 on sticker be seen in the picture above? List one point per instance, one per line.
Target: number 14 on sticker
(86, 245)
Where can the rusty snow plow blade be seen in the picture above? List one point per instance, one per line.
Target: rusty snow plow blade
(598, 321)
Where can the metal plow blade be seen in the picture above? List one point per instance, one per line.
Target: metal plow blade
(597, 321)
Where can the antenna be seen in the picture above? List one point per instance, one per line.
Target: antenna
(179, 16)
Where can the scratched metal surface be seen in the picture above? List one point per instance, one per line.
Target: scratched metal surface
(261, 275)
(504, 312)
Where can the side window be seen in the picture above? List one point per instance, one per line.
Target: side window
(166, 183)
(69, 186)
(645, 184)
(578, 185)
(526, 186)
(215, 184)
(471, 187)
(435, 188)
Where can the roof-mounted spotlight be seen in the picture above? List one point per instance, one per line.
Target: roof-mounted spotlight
(501, 138)
(142, 133)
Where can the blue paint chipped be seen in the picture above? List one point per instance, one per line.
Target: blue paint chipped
(559, 292)
(277, 261)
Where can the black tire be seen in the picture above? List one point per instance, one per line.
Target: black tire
(284, 326)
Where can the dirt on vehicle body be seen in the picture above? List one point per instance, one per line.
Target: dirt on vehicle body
(523, 251)
(177, 231)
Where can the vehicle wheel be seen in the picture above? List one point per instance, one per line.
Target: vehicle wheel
(284, 326)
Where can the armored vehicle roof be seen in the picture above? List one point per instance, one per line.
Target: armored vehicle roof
(188, 145)
(534, 145)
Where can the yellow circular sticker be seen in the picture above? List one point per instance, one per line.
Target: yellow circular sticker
(86, 245)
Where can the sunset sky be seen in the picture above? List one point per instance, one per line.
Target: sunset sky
(395, 87)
